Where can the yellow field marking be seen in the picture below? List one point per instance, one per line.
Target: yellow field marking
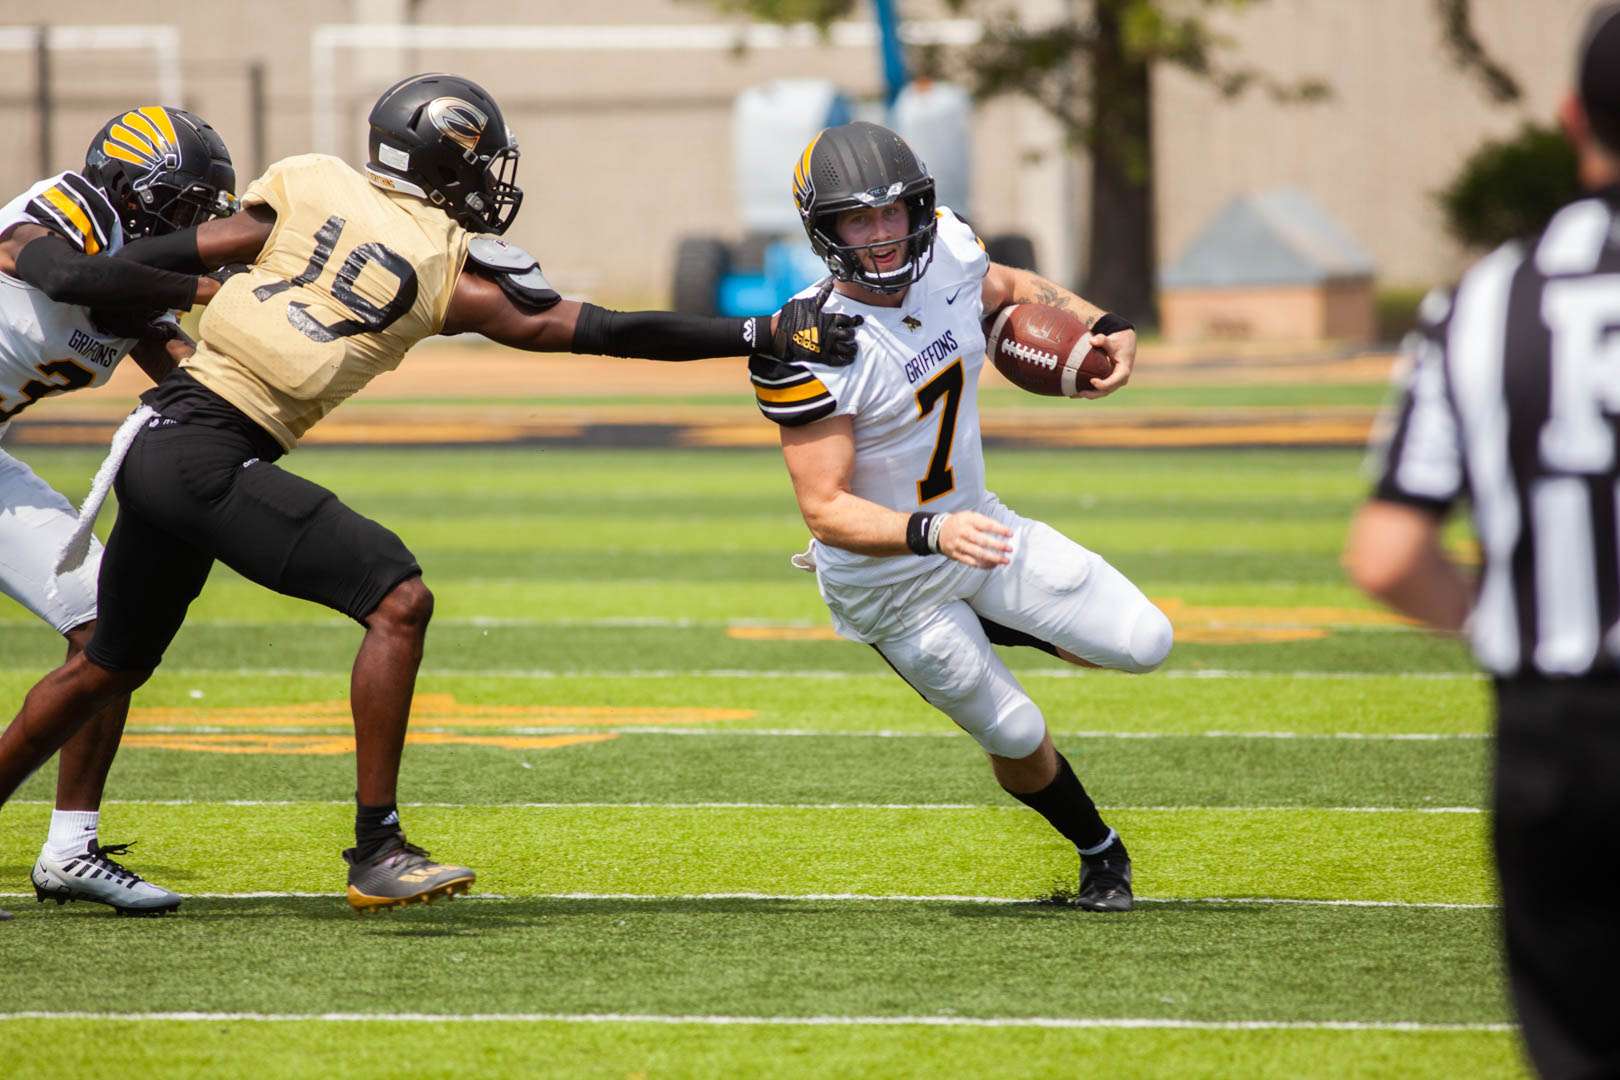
(782, 633)
(435, 710)
(391, 433)
(1200, 625)
(304, 745)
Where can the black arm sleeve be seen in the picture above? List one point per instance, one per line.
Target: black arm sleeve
(175, 251)
(664, 335)
(55, 268)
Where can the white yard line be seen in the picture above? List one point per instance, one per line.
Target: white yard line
(864, 898)
(806, 673)
(1058, 1022)
(774, 806)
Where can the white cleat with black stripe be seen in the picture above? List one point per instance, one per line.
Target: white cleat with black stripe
(93, 875)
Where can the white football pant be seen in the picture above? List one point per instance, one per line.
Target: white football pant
(1053, 589)
(35, 521)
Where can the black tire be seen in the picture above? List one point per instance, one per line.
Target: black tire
(748, 254)
(1012, 249)
(700, 263)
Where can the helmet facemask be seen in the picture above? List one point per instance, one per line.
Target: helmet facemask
(496, 206)
(845, 262)
(171, 208)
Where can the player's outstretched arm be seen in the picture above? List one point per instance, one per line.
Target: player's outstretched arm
(48, 262)
(1005, 285)
(219, 242)
(542, 322)
(821, 460)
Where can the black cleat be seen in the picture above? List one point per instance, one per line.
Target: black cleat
(401, 873)
(4, 914)
(1105, 880)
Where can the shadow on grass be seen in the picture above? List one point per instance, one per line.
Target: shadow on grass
(494, 916)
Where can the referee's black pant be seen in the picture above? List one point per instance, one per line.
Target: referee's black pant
(1557, 836)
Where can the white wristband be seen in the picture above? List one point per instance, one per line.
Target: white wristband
(934, 528)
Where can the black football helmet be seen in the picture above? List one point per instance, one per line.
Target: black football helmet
(856, 165)
(441, 137)
(162, 170)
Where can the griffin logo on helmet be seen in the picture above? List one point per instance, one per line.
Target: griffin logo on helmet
(881, 195)
(460, 122)
(803, 186)
(143, 137)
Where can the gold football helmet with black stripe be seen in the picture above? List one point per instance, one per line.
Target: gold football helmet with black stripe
(162, 169)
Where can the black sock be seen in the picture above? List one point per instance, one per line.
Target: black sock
(374, 826)
(1066, 805)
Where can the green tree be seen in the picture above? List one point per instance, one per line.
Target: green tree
(1510, 188)
(1091, 70)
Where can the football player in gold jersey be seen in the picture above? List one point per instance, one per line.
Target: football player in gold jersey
(348, 271)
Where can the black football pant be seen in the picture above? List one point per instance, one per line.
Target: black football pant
(189, 494)
(1557, 836)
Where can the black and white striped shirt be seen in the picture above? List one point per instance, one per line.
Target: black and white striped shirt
(1510, 396)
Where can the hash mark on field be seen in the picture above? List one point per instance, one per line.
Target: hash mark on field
(1074, 1022)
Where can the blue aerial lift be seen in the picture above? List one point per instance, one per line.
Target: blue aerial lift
(771, 125)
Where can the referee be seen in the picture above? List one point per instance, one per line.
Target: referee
(1512, 396)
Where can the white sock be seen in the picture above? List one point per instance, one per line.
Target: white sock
(72, 831)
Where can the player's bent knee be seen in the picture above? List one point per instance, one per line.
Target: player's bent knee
(1017, 732)
(1151, 639)
(104, 682)
(407, 608)
(948, 677)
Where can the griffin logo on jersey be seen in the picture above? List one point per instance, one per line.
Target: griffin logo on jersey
(461, 123)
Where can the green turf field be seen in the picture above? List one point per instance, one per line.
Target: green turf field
(713, 841)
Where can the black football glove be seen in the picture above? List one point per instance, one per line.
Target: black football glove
(222, 274)
(125, 322)
(806, 334)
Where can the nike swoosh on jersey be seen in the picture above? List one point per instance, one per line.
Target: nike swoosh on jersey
(951, 299)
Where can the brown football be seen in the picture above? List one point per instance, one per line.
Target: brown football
(1044, 350)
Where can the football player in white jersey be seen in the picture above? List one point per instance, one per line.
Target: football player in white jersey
(68, 314)
(913, 555)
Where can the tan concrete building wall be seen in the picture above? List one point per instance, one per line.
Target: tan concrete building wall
(1401, 122)
(1338, 310)
(623, 153)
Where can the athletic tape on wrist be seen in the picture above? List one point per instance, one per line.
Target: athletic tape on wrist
(1110, 323)
(917, 529)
